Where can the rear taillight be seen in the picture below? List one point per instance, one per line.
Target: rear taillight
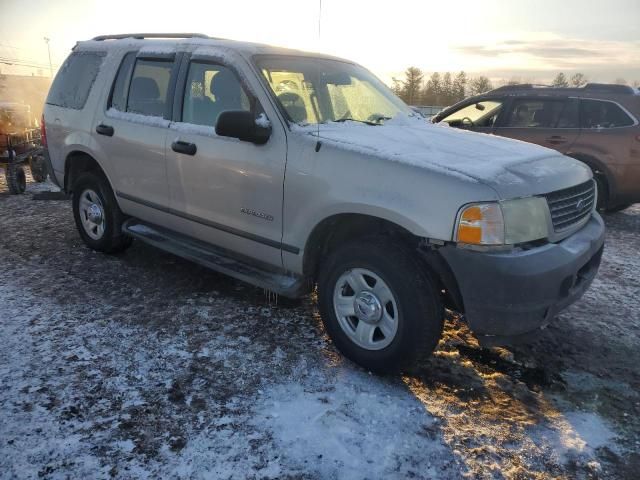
(43, 132)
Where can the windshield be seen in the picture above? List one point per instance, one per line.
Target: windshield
(314, 90)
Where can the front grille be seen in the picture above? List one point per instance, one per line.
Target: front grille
(570, 206)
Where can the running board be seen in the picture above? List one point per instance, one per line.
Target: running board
(215, 258)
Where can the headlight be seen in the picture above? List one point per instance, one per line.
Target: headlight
(503, 223)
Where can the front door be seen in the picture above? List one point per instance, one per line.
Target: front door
(547, 121)
(225, 191)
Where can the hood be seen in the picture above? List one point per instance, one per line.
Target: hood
(511, 167)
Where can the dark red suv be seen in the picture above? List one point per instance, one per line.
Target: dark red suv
(597, 124)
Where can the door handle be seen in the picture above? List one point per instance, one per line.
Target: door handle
(105, 130)
(184, 147)
(556, 139)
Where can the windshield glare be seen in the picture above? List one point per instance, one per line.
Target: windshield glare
(313, 90)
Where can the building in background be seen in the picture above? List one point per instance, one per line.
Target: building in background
(29, 90)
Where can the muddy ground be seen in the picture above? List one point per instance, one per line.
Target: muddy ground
(142, 365)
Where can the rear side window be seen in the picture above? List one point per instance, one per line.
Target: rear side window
(73, 82)
(602, 114)
(542, 113)
(149, 87)
(121, 85)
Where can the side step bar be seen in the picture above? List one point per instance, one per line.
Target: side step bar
(216, 259)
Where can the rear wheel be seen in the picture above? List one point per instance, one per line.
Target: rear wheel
(16, 179)
(97, 215)
(379, 305)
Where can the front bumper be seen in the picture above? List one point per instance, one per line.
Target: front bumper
(508, 296)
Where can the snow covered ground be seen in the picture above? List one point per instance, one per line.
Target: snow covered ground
(143, 365)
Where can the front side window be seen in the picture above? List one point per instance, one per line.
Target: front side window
(542, 113)
(318, 90)
(210, 90)
(149, 86)
(73, 82)
(602, 114)
(479, 114)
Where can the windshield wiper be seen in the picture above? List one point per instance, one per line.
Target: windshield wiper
(347, 119)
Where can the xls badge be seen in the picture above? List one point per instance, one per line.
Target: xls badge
(253, 213)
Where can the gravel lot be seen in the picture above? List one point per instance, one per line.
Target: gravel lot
(144, 365)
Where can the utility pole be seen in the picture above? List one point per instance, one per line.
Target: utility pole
(46, 39)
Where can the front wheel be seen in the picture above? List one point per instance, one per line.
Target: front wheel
(618, 208)
(97, 215)
(379, 305)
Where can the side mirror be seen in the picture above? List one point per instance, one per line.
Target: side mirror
(242, 125)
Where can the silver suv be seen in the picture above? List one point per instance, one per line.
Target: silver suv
(289, 170)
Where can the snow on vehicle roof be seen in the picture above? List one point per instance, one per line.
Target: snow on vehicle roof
(170, 45)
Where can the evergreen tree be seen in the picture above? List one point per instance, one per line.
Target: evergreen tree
(460, 87)
(447, 89)
(433, 91)
(560, 81)
(412, 86)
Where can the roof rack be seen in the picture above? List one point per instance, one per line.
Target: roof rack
(141, 36)
(522, 86)
(589, 87)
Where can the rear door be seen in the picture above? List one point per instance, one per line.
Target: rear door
(548, 121)
(226, 192)
(131, 131)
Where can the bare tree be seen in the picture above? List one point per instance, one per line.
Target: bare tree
(560, 81)
(578, 80)
(480, 85)
(621, 81)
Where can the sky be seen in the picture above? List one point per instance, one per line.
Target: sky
(517, 39)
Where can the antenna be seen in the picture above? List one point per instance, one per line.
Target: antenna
(318, 143)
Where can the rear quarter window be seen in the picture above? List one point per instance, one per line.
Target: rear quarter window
(74, 80)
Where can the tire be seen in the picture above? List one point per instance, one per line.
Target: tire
(415, 304)
(618, 208)
(38, 170)
(97, 215)
(16, 179)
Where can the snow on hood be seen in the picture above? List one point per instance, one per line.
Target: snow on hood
(502, 163)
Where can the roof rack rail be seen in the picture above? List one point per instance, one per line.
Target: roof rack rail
(521, 86)
(609, 88)
(141, 36)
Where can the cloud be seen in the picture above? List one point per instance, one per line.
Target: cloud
(558, 52)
